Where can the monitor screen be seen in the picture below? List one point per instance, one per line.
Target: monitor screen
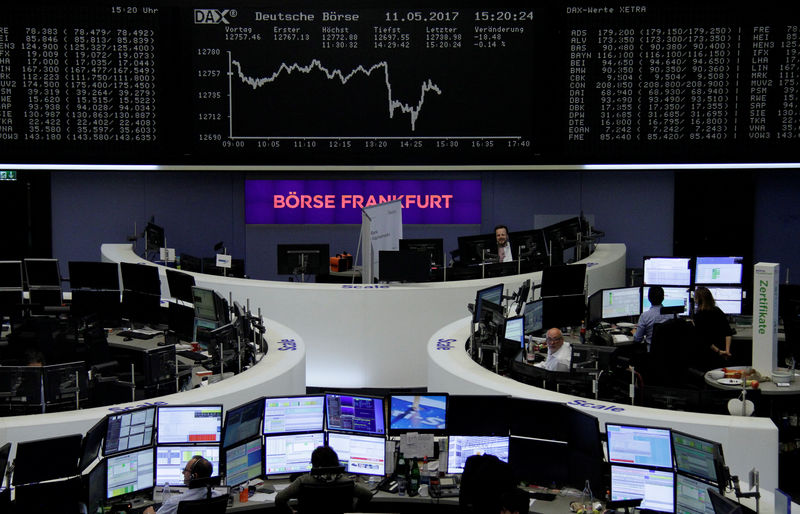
(563, 280)
(433, 249)
(42, 272)
(492, 294)
(360, 454)
(172, 460)
(418, 412)
(90, 448)
(100, 305)
(130, 473)
(533, 316)
(691, 496)
(154, 237)
(189, 424)
(180, 320)
(159, 365)
(205, 306)
(696, 456)
(656, 487)
(563, 311)
(621, 303)
(461, 447)
(473, 249)
(643, 446)
(728, 299)
(140, 277)
(129, 430)
(667, 271)
(515, 330)
(723, 505)
(10, 274)
(290, 453)
(180, 285)
(309, 259)
(242, 423)
(94, 275)
(243, 462)
(478, 415)
(294, 414)
(355, 413)
(47, 459)
(63, 382)
(718, 270)
(141, 307)
(673, 297)
(403, 266)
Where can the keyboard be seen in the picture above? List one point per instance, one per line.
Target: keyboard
(135, 335)
(195, 356)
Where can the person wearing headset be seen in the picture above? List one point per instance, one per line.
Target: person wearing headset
(197, 467)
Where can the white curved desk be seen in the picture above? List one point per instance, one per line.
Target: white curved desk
(280, 372)
(372, 335)
(747, 442)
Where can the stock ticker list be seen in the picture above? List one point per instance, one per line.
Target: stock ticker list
(664, 77)
(78, 78)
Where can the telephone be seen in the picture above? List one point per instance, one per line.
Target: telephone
(443, 487)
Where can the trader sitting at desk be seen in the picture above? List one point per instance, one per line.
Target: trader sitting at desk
(503, 246)
(559, 353)
(644, 329)
(197, 467)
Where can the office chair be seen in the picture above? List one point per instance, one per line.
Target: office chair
(326, 497)
(216, 505)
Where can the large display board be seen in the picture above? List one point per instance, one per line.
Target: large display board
(302, 83)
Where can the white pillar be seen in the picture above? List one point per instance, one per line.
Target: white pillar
(765, 317)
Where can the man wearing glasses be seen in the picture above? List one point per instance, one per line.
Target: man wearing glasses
(197, 467)
(559, 353)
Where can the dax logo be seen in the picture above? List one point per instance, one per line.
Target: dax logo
(287, 345)
(213, 16)
(445, 344)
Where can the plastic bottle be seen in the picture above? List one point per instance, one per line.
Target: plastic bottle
(413, 486)
(402, 475)
(583, 331)
(586, 498)
(165, 494)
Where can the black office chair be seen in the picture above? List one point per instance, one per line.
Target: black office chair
(215, 505)
(328, 497)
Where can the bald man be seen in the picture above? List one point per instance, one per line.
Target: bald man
(559, 353)
(197, 467)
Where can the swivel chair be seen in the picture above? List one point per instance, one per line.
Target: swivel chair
(327, 495)
(215, 505)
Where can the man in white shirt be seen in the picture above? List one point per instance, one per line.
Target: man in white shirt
(503, 246)
(559, 353)
(197, 467)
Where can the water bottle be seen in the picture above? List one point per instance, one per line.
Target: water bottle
(165, 493)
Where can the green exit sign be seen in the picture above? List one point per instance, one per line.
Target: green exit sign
(8, 175)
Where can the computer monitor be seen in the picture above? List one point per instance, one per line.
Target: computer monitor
(180, 285)
(667, 271)
(290, 453)
(638, 445)
(533, 316)
(563, 280)
(403, 266)
(153, 237)
(242, 423)
(621, 303)
(691, 496)
(172, 460)
(129, 430)
(159, 365)
(292, 414)
(515, 330)
(47, 459)
(656, 487)
(22, 385)
(360, 454)
(698, 457)
(244, 462)
(142, 278)
(461, 447)
(10, 274)
(563, 311)
(418, 413)
(492, 294)
(471, 248)
(350, 413)
(65, 382)
(205, 306)
(521, 296)
(191, 263)
(308, 259)
(722, 504)
(673, 297)
(189, 424)
(728, 299)
(532, 240)
(478, 415)
(42, 273)
(718, 270)
(180, 320)
(102, 306)
(130, 473)
(92, 441)
(141, 307)
(93, 275)
(433, 249)
(551, 460)
(95, 487)
(5, 450)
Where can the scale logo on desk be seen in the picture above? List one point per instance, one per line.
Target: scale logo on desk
(289, 345)
(445, 344)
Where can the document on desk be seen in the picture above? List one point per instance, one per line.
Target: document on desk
(263, 497)
(414, 444)
(621, 338)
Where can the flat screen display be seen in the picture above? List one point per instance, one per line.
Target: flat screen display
(362, 455)
(291, 414)
(641, 446)
(696, 456)
(673, 297)
(728, 299)
(242, 423)
(142, 278)
(656, 487)
(621, 303)
(11, 274)
(718, 270)
(691, 496)
(200, 424)
(515, 330)
(533, 316)
(492, 294)
(667, 271)
(129, 430)
(348, 413)
(418, 412)
(243, 462)
(42, 272)
(290, 453)
(462, 447)
(94, 275)
(172, 460)
(129, 473)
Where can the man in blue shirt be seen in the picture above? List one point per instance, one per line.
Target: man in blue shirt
(644, 329)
